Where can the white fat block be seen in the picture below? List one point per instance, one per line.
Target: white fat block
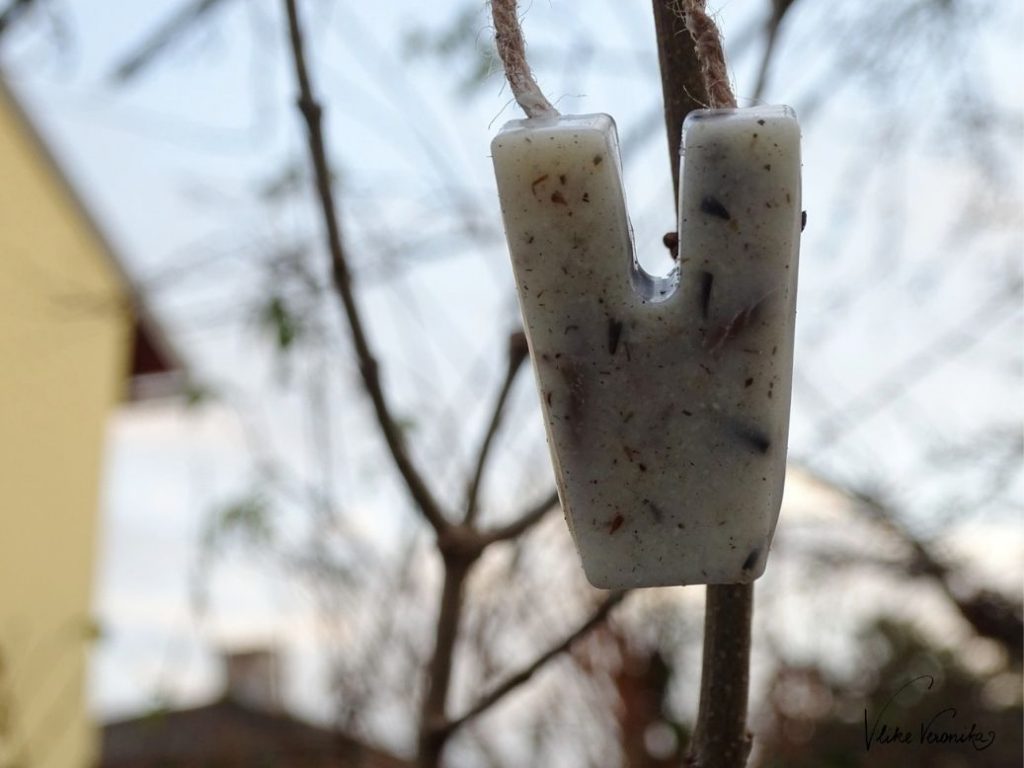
(666, 400)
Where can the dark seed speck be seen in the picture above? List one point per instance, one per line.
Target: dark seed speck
(751, 560)
(752, 437)
(614, 332)
(706, 280)
(712, 207)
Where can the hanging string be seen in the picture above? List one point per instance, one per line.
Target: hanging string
(708, 44)
(512, 49)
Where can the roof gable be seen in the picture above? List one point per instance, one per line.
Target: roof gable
(156, 369)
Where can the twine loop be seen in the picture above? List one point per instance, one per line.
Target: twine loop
(708, 44)
(508, 36)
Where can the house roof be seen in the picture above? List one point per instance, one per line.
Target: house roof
(228, 733)
(156, 367)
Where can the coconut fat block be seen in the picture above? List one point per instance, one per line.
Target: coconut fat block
(666, 399)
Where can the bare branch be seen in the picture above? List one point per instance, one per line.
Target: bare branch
(10, 14)
(989, 613)
(681, 80)
(432, 738)
(516, 680)
(720, 736)
(522, 523)
(720, 739)
(517, 351)
(161, 38)
(342, 280)
(771, 34)
(940, 351)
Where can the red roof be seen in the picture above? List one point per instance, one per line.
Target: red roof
(229, 734)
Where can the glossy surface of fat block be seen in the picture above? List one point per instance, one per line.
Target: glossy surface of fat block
(666, 400)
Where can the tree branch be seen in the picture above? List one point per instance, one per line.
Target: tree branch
(772, 26)
(432, 735)
(771, 34)
(342, 280)
(517, 351)
(522, 523)
(720, 737)
(161, 38)
(516, 680)
(10, 14)
(681, 81)
(989, 613)
(960, 338)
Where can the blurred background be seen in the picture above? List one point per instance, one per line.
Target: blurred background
(207, 556)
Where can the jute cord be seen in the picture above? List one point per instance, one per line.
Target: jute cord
(708, 44)
(512, 49)
(508, 36)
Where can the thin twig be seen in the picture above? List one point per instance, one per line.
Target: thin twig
(13, 11)
(989, 613)
(516, 680)
(342, 280)
(508, 36)
(771, 36)
(960, 338)
(171, 30)
(517, 351)
(681, 81)
(522, 522)
(432, 736)
(695, 64)
(720, 737)
(774, 23)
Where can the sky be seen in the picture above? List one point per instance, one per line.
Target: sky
(169, 164)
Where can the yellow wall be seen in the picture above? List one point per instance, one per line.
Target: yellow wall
(64, 336)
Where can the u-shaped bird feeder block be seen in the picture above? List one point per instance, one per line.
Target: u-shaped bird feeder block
(666, 399)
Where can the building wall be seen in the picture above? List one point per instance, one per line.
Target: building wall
(64, 333)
